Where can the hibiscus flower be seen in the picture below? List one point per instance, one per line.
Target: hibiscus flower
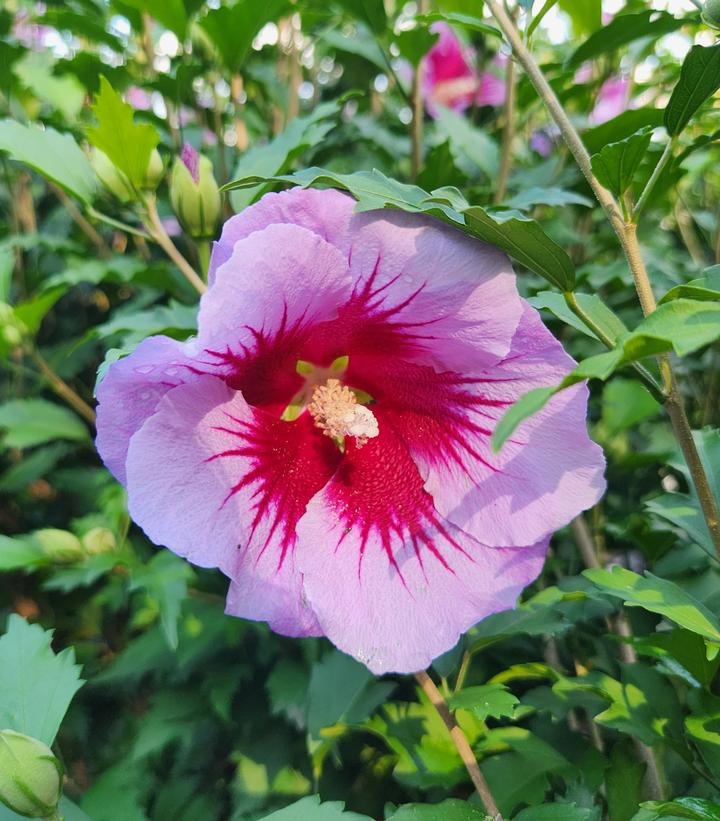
(449, 78)
(325, 439)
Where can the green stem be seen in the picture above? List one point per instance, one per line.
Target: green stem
(626, 232)
(203, 248)
(654, 177)
(645, 376)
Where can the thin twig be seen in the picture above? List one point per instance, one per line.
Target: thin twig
(418, 113)
(62, 389)
(621, 626)
(508, 133)
(461, 743)
(626, 231)
(78, 218)
(160, 235)
(654, 177)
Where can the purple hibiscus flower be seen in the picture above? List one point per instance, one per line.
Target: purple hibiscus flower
(449, 78)
(325, 440)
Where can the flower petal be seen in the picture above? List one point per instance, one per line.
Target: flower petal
(224, 484)
(131, 390)
(542, 478)
(452, 296)
(391, 582)
(283, 276)
(325, 213)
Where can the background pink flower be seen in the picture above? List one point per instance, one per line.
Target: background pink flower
(449, 77)
(407, 341)
(613, 99)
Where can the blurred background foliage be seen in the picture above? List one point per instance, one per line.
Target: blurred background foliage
(578, 707)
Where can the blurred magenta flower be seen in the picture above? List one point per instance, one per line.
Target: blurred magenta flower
(29, 33)
(543, 141)
(138, 98)
(613, 99)
(325, 440)
(449, 78)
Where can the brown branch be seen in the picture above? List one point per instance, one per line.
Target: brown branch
(461, 743)
(62, 389)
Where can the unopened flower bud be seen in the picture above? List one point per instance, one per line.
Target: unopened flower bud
(113, 179)
(30, 775)
(12, 330)
(711, 13)
(154, 172)
(194, 194)
(99, 540)
(59, 545)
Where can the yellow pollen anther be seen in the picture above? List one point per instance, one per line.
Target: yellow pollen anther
(337, 413)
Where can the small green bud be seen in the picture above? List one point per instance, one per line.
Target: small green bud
(30, 775)
(154, 172)
(12, 330)
(194, 194)
(112, 178)
(99, 540)
(59, 545)
(711, 13)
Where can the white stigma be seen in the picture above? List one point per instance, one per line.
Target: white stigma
(337, 413)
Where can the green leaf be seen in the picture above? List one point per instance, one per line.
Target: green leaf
(471, 147)
(30, 422)
(171, 13)
(485, 701)
(165, 579)
(591, 304)
(415, 43)
(36, 685)
(335, 683)
(371, 12)
(311, 808)
(525, 241)
(65, 93)
(658, 596)
(559, 812)
(233, 28)
(585, 14)
(625, 403)
(32, 467)
(705, 288)
(699, 80)
(467, 21)
(127, 144)
(681, 326)
(624, 29)
(559, 197)
(519, 236)
(620, 127)
(54, 155)
(623, 782)
(452, 809)
(19, 553)
(696, 809)
(616, 164)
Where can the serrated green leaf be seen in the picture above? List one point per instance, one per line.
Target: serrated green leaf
(695, 809)
(452, 809)
(558, 197)
(467, 21)
(171, 13)
(54, 155)
(485, 701)
(591, 304)
(19, 553)
(616, 164)
(127, 144)
(312, 807)
(699, 80)
(36, 685)
(30, 422)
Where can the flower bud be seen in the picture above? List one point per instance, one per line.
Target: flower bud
(154, 172)
(12, 330)
(711, 13)
(30, 775)
(59, 545)
(194, 194)
(113, 179)
(99, 540)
